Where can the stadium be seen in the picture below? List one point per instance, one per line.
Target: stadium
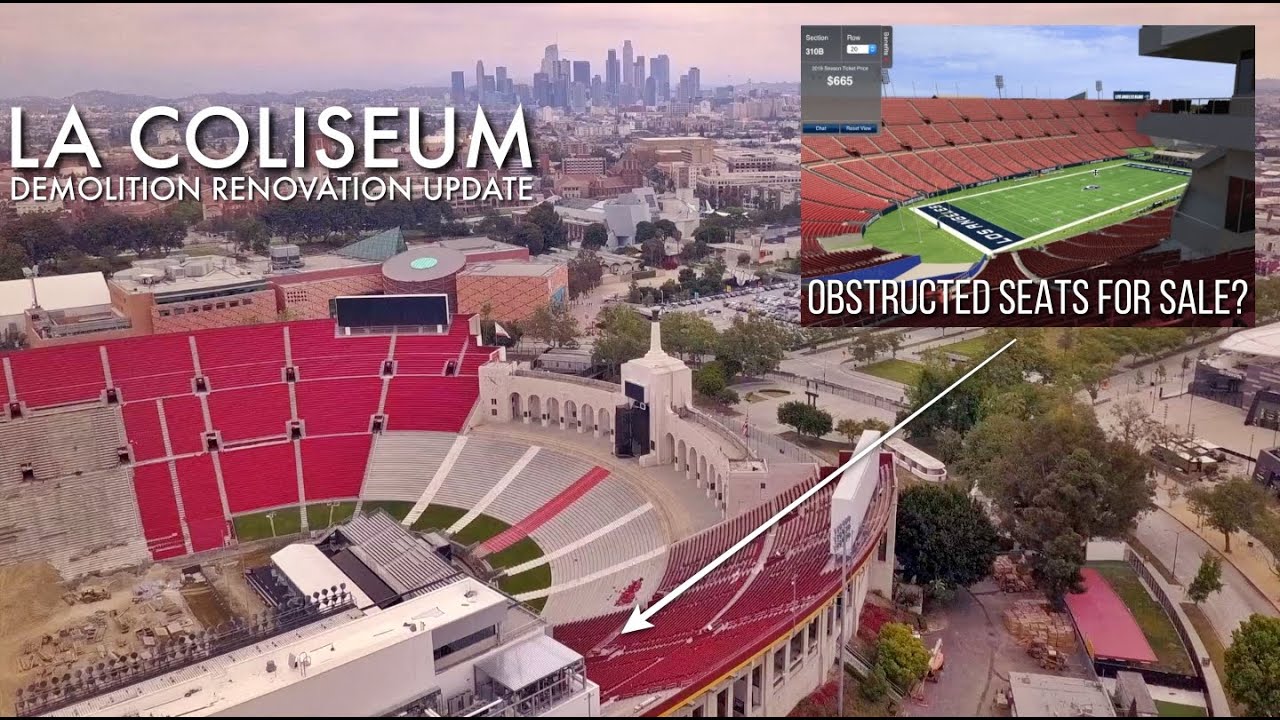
(418, 518)
(1012, 189)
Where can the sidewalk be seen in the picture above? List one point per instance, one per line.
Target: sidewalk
(1255, 563)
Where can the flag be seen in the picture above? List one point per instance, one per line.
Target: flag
(500, 331)
(744, 428)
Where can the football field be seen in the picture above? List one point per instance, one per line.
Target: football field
(1028, 212)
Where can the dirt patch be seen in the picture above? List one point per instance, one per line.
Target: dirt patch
(49, 628)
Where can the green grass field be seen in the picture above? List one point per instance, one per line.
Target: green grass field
(900, 371)
(975, 348)
(395, 508)
(1172, 709)
(259, 526)
(1155, 624)
(438, 517)
(322, 515)
(1041, 209)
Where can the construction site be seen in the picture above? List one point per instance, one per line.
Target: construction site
(56, 633)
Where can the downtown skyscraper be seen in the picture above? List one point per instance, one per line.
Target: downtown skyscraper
(628, 64)
(612, 73)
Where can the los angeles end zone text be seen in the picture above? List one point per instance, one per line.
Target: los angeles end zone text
(1138, 297)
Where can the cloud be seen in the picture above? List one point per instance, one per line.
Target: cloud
(179, 49)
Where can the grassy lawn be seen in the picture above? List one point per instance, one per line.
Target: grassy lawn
(1172, 709)
(318, 514)
(438, 517)
(480, 529)
(536, 579)
(517, 554)
(1155, 624)
(899, 371)
(1212, 645)
(258, 526)
(975, 348)
(395, 508)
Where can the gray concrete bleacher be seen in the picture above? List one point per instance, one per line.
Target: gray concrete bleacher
(403, 463)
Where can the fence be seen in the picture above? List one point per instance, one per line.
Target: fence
(848, 393)
(767, 445)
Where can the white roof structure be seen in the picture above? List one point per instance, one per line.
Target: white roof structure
(1263, 340)
(220, 684)
(311, 572)
(54, 292)
(1036, 695)
(527, 662)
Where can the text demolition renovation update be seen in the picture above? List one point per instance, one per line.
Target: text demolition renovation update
(338, 153)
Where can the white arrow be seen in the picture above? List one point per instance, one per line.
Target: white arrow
(639, 619)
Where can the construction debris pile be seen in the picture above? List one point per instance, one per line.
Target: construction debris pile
(1046, 635)
(105, 636)
(1012, 576)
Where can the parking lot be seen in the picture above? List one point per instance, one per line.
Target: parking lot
(779, 302)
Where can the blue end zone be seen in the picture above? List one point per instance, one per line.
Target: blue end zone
(1161, 168)
(982, 232)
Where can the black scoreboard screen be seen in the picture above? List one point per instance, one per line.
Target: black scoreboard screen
(375, 311)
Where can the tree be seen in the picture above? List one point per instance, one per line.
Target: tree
(12, 259)
(875, 685)
(744, 258)
(1229, 506)
(688, 335)
(1056, 567)
(901, 655)
(528, 235)
(251, 235)
(710, 234)
(595, 236)
(804, 418)
(553, 324)
(554, 234)
(666, 229)
(624, 335)
(852, 429)
(653, 251)
(1055, 478)
(1253, 666)
(1132, 422)
(943, 536)
(645, 231)
(752, 346)
(1208, 579)
(709, 380)
(585, 273)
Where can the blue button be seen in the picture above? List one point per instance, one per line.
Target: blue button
(821, 128)
(859, 129)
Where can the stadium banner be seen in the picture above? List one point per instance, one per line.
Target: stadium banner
(1160, 169)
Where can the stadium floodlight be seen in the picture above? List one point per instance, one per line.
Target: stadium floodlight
(32, 273)
(1097, 85)
(999, 86)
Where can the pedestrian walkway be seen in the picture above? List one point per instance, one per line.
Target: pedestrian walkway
(1248, 555)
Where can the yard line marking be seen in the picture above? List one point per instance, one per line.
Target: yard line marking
(1095, 216)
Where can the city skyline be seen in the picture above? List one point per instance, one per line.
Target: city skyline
(277, 51)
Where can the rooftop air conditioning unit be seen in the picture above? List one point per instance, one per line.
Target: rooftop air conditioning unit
(173, 272)
(199, 268)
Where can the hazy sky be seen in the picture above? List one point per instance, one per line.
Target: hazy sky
(176, 49)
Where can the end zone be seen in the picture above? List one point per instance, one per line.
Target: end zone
(982, 235)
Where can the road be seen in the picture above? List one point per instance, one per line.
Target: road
(1163, 535)
(825, 365)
